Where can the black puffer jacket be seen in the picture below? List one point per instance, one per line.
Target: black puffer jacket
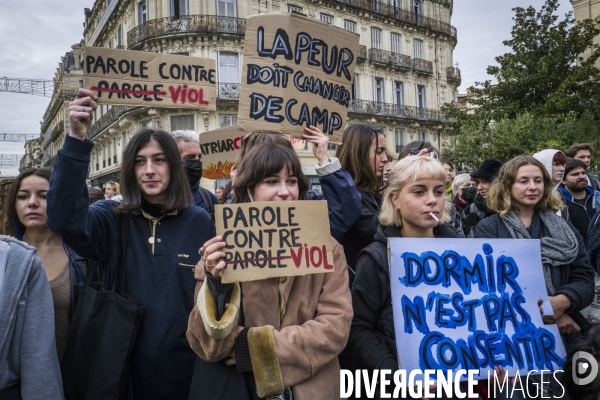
(372, 339)
(576, 280)
(362, 232)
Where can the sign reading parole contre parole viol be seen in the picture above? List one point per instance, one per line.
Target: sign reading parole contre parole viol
(296, 72)
(220, 149)
(274, 238)
(142, 78)
(472, 304)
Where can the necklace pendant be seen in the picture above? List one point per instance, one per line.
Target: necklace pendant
(151, 240)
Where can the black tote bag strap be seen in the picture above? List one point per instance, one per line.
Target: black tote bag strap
(122, 241)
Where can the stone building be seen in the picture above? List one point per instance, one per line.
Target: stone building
(587, 9)
(404, 73)
(56, 118)
(33, 154)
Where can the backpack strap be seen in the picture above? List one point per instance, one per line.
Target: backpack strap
(207, 200)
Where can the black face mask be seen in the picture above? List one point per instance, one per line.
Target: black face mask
(468, 194)
(193, 170)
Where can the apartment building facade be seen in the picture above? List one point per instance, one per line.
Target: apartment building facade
(403, 76)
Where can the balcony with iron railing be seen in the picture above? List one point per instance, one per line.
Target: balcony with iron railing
(185, 24)
(48, 160)
(422, 66)
(388, 58)
(108, 119)
(399, 14)
(375, 108)
(362, 52)
(453, 75)
(50, 136)
(228, 91)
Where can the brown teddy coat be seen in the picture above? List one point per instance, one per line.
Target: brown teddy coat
(298, 324)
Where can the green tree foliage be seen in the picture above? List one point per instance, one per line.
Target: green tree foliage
(524, 134)
(544, 93)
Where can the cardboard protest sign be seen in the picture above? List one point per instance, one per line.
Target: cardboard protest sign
(296, 72)
(274, 238)
(220, 148)
(471, 304)
(149, 79)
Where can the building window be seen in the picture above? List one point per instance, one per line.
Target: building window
(328, 19)
(142, 12)
(399, 93)
(421, 97)
(376, 38)
(396, 3)
(110, 44)
(292, 7)
(146, 125)
(178, 8)
(422, 135)
(115, 150)
(228, 68)
(227, 120)
(120, 36)
(355, 87)
(123, 142)
(229, 87)
(418, 7)
(378, 90)
(399, 139)
(350, 25)
(226, 8)
(418, 48)
(396, 43)
(182, 122)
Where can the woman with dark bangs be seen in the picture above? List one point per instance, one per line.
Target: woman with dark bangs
(278, 336)
(343, 202)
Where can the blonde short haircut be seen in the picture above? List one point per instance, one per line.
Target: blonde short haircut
(407, 170)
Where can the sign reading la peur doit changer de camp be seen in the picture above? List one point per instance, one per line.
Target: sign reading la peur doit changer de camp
(296, 72)
(471, 305)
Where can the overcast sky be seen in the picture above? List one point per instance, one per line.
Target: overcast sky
(36, 33)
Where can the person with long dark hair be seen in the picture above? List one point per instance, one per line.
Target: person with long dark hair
(165, 234)
(343, 202)
(277, 336)
(26, 220)
(363, 154)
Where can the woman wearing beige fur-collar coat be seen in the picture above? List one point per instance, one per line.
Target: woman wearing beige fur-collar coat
(286, 332)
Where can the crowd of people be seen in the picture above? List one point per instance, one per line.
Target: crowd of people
(277, 338)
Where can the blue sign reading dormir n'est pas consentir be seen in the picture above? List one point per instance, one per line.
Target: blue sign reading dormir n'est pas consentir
(471, 304)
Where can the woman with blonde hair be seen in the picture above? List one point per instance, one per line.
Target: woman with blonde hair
(112, 191)
(412, 205)
(526, 205)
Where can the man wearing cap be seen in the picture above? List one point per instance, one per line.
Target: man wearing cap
(478, 210)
